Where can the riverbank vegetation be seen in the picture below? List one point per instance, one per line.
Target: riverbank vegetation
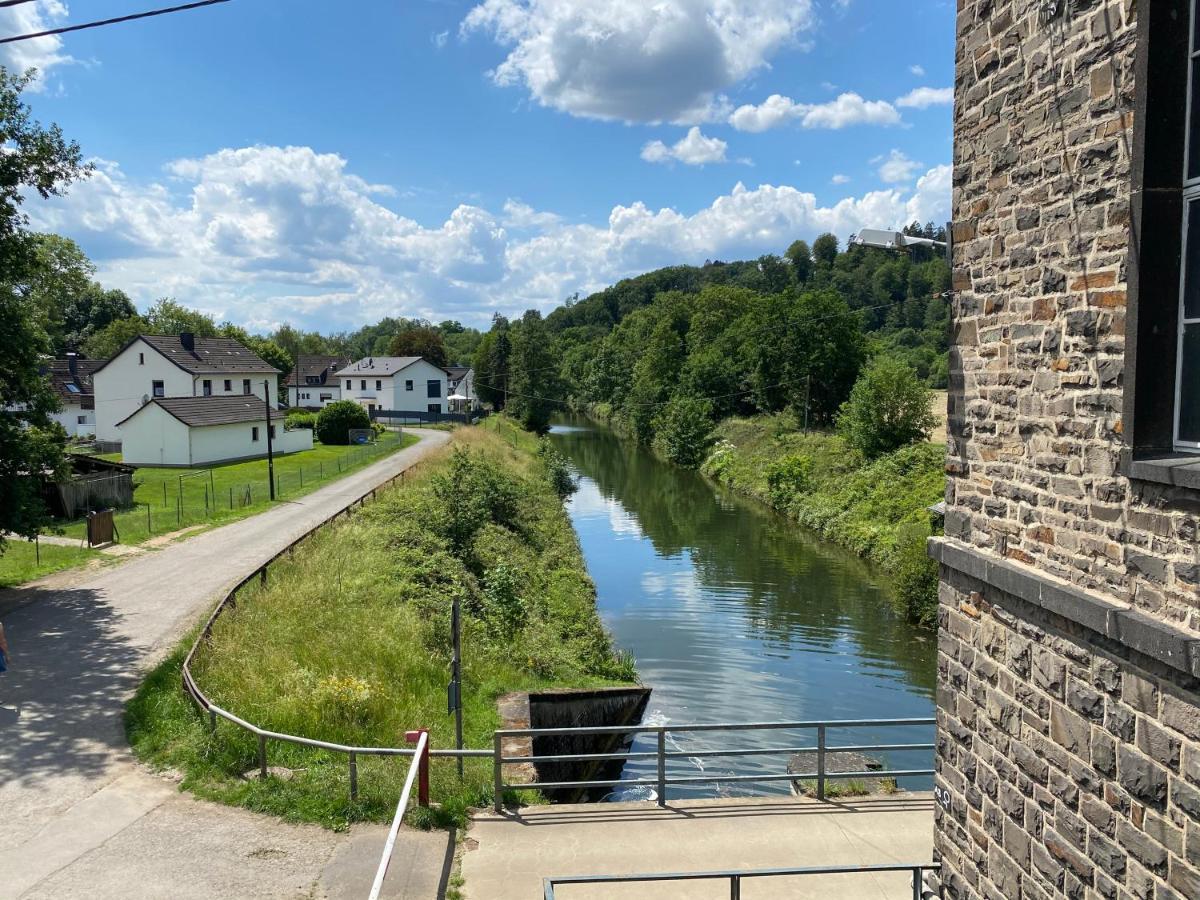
(875, 507)
(350, 641)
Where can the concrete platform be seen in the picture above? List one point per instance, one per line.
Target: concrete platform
(507, 856)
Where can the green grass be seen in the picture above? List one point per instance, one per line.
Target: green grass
(350, 642)
(19, 561)
(877, 508)
(220, 494)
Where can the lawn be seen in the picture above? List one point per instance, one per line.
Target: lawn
(349, 640)
(20, 562)
(170, 499)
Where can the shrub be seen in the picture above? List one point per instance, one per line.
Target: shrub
(789, 477)
(558, 471)
(471, 494)
(683, 431)
(503, 607)
(301, 418)
(336, 420)
(915, 575)
(888, 408)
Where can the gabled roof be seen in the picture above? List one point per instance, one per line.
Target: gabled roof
(200, 411)
(458, 372)
(313, 365)
(379, 365)
(73, 388)
(208, 356)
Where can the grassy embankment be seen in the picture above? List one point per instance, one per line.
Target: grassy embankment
(876, 508)
(350, 641)
(19, 562)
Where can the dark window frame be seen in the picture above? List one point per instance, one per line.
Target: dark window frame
(408, 385)
(246, 387)
(253, 432)
(433, 388)
(158, 389)
(206, 387)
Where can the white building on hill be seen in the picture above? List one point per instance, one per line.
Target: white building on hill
(402, 383)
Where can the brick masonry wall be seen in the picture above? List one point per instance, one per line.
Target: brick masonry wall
(1072, 767)
(1043, 137)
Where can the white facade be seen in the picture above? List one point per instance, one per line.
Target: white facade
(383, 383)
(77, 421)
(315, 394)
(140, 373)
(154, 437)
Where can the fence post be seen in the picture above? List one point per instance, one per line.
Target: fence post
(497, 775)
(262, 756)
(422, 765)
(149, 527)
(735, 887)
(353, 776)
(820, 762)
(662, 766)
(262, 575)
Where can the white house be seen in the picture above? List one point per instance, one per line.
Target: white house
(313, 382)
(71, 379)
(404, 383)
(462, 382)
(153, 367)
(195, 431)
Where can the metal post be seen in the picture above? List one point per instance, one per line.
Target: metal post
(149, 528)
(353, 776)
(662, 767)
(422, 765)
(807, 397)
(231, 496)
(164, 484)
(456, 677)
(270, 444)
(37, 549)
(820, 762)
(735, 887)
(916, 883)
(497, 775)
(262, 756)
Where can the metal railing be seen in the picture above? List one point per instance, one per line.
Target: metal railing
(736, 877)
(661, 755)
(418, 766)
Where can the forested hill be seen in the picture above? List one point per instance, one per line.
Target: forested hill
(727, 337)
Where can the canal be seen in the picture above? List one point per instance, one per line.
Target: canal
(736, 614)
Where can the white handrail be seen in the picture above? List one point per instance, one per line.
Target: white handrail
(401, 807)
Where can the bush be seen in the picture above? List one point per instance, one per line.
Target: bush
(789, 477)
(683, 431)
(888, 408)
(558, 471)
(470, 495)
(915, 575)
(336, 420)
(301, 418)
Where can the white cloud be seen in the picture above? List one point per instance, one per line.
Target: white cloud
(848, 109)
(897, 168)
(840, 179)
(263, 235)
(694, 149)
(919, 71)
(635, 61)
(922, 97)
(44, 53)
(439, 38)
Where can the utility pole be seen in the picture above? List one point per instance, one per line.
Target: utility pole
(455, 692)
(270, 443)
(807, 396)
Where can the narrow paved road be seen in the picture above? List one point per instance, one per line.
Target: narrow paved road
(77, 816)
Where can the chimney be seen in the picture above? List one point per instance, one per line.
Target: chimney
(188, 340)
(72, 364)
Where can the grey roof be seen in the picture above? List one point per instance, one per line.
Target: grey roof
(210, 356)
(379, 365)
(457, 372)
(316, 366)
(200, 411)
(74, 388)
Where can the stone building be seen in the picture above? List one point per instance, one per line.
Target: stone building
(1068, 751)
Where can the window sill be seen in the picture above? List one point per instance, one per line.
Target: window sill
(1179, 469)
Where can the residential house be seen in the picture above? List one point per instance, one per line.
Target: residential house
(153, 367)
(313, 381)
(462, 382)
(196, 431)
(1068, 697)
(402, 383)
(71, 379)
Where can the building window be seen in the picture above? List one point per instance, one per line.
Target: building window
(364, 384)
(378, 384)
(254, 433)
(434, 388)
(1187, 371)
(245, 385)
(141, 359)
(325, 398)
(207, 387)
(81, 420)
(408, 385)
(229, 385)
(349, 384)
(271, 432)
(434, 407)
(156, 388)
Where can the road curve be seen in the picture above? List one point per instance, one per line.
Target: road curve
(79, 817)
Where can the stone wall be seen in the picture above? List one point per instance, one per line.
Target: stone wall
(1043, 134)
(1072, 765)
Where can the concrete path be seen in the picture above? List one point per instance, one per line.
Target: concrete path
(77, 816)
(508, 856)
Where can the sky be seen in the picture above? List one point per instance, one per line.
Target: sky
(271, 161)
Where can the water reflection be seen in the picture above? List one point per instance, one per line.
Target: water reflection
(737, 615)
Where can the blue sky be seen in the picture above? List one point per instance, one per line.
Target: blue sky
(323, 164)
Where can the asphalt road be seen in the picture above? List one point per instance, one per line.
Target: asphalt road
(78, 817)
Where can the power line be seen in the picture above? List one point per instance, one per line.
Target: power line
(114, 21)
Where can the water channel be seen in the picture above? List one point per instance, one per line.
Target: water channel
(736, 614)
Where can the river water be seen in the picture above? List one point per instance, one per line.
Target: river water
(736, 614)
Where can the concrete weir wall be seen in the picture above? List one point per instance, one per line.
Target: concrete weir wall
(582, 708)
